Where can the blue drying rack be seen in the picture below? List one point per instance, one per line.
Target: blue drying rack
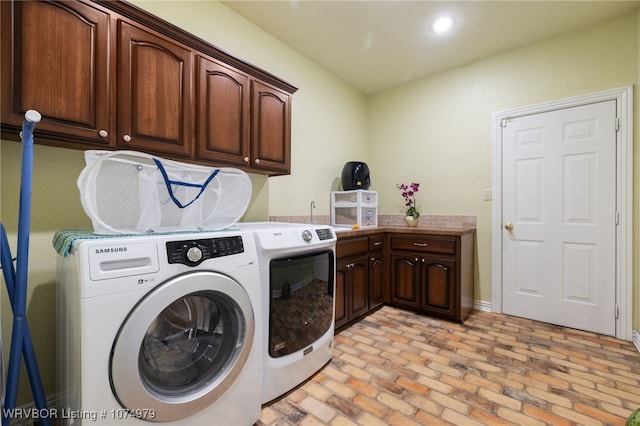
(16, 280)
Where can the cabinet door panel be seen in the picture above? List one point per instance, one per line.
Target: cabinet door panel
(405, 275)
(271, 137)
(340, 295)
(439, 284)
(376, 280)
(359, 286)
(58, 66)
(154, 88)
(222, 117)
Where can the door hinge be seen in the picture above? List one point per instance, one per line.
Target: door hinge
(617, 218)
(617, 124)
(617, 311)
(503, 122)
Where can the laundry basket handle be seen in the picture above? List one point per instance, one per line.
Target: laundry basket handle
(168, 182)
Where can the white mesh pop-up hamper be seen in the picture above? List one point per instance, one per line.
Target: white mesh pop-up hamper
(129, 192)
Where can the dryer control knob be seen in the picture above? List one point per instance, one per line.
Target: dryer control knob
(306, 235)
(194, 254)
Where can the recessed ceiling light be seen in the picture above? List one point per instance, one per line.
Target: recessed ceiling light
(443, 24)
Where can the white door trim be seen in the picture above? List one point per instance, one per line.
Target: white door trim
(624, 175)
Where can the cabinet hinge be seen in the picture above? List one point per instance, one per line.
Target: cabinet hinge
(617, 311)
(617, 124)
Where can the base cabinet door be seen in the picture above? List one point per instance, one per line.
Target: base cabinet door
(340, 296)
(405, 280)
(358, 278)
(352, 298)
(438, 285)
(376, 279)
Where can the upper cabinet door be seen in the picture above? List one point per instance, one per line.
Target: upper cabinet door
(271, 129)
(222, 114)
(55, 60)
(154, 92)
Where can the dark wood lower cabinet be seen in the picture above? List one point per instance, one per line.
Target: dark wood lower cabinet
(359, 278)
(430, 274)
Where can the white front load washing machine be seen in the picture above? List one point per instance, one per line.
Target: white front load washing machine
(160, 328)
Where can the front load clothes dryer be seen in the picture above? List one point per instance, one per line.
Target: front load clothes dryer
(297, 264)
(160, 328)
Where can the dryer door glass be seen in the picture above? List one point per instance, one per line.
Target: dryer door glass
(190, 343)
(301, 306)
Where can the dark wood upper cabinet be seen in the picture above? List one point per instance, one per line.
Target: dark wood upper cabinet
(154, 93)
(271, 134)
(222, 113)
(55, 59)
(107, 74)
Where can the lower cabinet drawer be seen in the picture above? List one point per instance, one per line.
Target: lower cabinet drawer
(424, 244)
(352, 246)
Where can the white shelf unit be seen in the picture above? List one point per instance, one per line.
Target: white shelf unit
(354, 207)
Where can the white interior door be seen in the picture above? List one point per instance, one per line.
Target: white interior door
(559, 217)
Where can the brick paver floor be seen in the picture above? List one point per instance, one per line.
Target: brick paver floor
(396, 367)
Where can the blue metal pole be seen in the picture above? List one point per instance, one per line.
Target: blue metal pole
(20, 337)
(6, 261)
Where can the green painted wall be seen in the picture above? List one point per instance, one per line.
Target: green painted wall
(436, 131)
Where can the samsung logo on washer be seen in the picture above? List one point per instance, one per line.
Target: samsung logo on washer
(111, 250)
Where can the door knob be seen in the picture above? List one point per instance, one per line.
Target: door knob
(508, 226)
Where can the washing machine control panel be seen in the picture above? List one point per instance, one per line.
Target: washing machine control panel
(194, 252)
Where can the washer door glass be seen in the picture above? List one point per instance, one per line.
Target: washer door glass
(182, 346)
(190, 342)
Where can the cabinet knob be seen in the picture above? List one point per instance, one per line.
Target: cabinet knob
(423, 260)
(103, 133)
(257, 161)
(417, 259)
(126, 138)
(245, 159)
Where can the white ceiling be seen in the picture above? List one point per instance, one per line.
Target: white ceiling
(375, 45)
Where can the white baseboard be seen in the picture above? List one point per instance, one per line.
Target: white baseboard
(482, 305)
(635, 338)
